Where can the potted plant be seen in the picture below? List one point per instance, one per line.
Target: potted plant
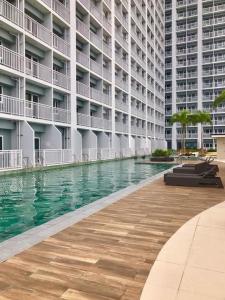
(160, 155)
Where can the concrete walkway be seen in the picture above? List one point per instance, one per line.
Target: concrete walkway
(108, 255)
(191, 265)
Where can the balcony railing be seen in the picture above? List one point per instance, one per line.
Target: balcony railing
(106, 153)
(96, 40)
(39, 71)
(11, 105)
(51, 157)
(96, 67)
(61, 45)
(10, 159)
(82, 58)
(83, 120)
(82, 28)
(61, 80)
(61, 115)
(38, 30)
(38, 110)
(83, 89)
(11, 13)
(11, 59)
(89, 154)
(61, 10)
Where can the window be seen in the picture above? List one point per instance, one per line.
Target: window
(1, 143)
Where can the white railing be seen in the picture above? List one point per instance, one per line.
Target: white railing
(61, 45)
(61, 10)
(96, 67)
(61, 115)
(82, 28)
(83, 120)
(11, 13)
(38, 30)
(106, 153)
(89, 154)
(11, 59)
(51, 157)
(10, 159)
(61, 80)
(38, 110)
(11, 105)
(38, 70)
(82, 58)
(83, 89)
(95, 39)
(96, 122)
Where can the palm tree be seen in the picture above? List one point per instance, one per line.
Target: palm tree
(220, 99)
(201, 117)
(182, 117)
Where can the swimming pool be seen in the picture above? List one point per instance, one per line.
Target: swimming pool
(31, 199)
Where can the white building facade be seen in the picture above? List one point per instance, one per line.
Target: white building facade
(195, 67)
(80, 80)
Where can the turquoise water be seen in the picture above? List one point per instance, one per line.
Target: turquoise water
(30, 199)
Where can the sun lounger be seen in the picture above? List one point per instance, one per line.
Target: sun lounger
(196, 169)
(194, 180)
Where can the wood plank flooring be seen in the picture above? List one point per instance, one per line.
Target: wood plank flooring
(108, 255)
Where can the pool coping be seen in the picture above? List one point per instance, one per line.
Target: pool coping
(33, 236)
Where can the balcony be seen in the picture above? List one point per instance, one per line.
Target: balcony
(51, 157)
(122, 105)
(11, 13)
(96, 40)
(121, 127)
(106, 153)
(11, 59)
(96, 122)
(38, 71)
(107, 49)
(10, 159)
(107, 74)
(38, 110)
(82, 28)
(83, 89)
(95, 11)
(11, 105)
(38, 30)
(99, 96)
(83, 120)
(83, 59)
(96, 67)
(61, 80)
(89, 154)
(61, 45)
(61, 10)
(61, 115)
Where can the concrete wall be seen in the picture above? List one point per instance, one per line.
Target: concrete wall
(77, 146)
(51, 138)
(27, 143)
(103, 140)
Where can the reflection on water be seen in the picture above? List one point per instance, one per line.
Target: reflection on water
(31, 199)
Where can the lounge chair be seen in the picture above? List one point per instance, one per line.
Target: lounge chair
(206, 178)
(196, 168)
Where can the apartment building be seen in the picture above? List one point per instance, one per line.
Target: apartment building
(80, 80)
(194, 66)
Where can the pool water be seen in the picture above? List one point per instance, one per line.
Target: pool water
(30, 199)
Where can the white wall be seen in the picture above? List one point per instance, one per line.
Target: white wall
(51, 138)
(27, 143)
(77, 147)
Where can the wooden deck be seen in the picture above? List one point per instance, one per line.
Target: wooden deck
(108, 255)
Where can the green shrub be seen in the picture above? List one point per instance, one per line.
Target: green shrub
(211, 150)
(162, 153)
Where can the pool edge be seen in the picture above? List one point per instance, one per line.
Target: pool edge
(33, 236)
